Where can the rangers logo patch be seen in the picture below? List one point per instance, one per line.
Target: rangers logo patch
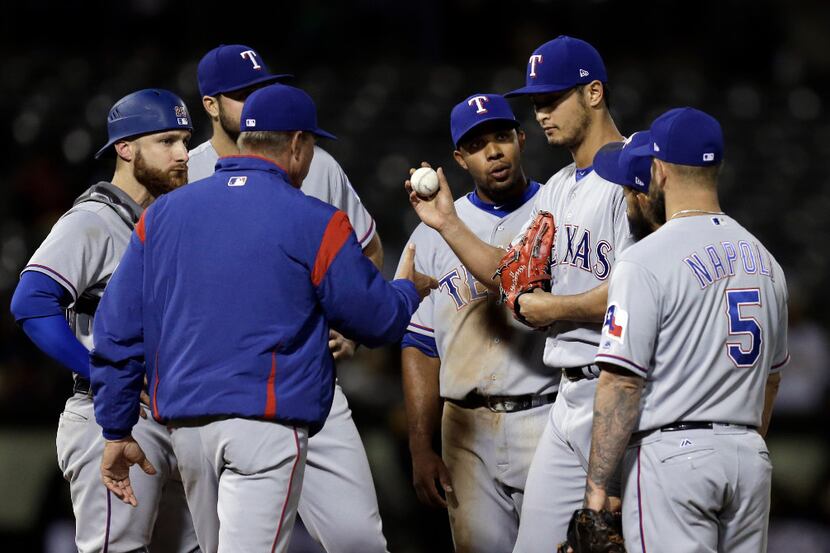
(616, 320)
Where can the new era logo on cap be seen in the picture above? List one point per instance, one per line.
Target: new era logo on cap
(583, 73)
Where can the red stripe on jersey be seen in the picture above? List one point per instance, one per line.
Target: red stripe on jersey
(139, 228)
(270, 395)
(156, 388)
(337, 232)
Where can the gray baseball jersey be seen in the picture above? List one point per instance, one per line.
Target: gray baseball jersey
(326, 181)
(338, 503)
(482, 349)
(81, 252)
(698, 309)
(591, 231)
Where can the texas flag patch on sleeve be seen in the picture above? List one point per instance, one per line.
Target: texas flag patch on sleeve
(616, 321)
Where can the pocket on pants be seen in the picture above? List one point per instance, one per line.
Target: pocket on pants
(72, 416)
(690, 454)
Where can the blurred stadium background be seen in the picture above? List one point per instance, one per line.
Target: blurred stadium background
(384, 76)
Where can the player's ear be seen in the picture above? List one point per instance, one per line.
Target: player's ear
(594, 93)
(124, 150)
(211, 105)
(297, 139)
(459, 159)
(521, 137)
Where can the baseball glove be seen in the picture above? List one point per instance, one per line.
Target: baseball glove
(526, 265)
(592, 531)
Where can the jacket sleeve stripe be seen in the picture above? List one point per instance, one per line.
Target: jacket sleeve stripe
(139, 228)
(270, 394)
(337, 231)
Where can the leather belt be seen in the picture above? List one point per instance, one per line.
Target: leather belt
(504, 404)
(82, 386)
(575, 374)
(673, 427)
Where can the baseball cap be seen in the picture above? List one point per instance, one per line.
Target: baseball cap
(615, 163)
(685, 136)
(146, 111)
(232, 67)
(279, 107)
(478, 109)
(560, 64)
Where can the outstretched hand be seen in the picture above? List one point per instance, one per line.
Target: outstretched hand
(423, 283)
(118, 457)
(436, 212)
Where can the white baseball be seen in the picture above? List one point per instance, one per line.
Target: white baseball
(424, 182)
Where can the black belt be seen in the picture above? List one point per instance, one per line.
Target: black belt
(673, 427)
(82, 386)
(575, 374)
(504, 404)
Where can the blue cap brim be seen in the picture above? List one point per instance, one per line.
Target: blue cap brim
(646, 150)
(323, 134)
(480, 122)
(607, 163)
(266, 79)
(538, 89)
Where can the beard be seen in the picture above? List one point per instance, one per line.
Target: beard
(156, 181)
(656, 205)
(228, 124)
(575, 135)
(639, 224)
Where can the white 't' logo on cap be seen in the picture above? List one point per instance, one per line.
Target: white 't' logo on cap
(534, 59)
(251, 55)
(479, 102)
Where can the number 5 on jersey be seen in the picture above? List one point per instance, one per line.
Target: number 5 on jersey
(739, 324)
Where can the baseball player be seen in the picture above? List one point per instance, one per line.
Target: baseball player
(693, 339)
(463, 348)
(339, 505)
(231, 325)
(566, 82)
(56, 300)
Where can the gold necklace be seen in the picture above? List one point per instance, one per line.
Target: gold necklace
(700, 211)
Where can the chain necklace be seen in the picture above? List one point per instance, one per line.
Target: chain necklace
(700, 211)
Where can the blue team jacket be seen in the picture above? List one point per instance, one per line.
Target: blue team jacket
(225, 297)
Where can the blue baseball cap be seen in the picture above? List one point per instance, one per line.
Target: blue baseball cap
(560, 64)
(279, 107)
(615, 163)
(232, 67)
(685, 136)
(478, 109)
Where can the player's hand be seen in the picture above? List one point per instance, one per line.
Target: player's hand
(439, 211)
(118, 457)
(144, 400)
(430, 476)
(538, 308)
(423, 283)
(340, 346)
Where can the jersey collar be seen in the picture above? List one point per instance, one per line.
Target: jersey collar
(580, 174)
(504, 209)
(248, 163)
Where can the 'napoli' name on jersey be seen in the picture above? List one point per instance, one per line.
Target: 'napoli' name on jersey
(719, 260)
